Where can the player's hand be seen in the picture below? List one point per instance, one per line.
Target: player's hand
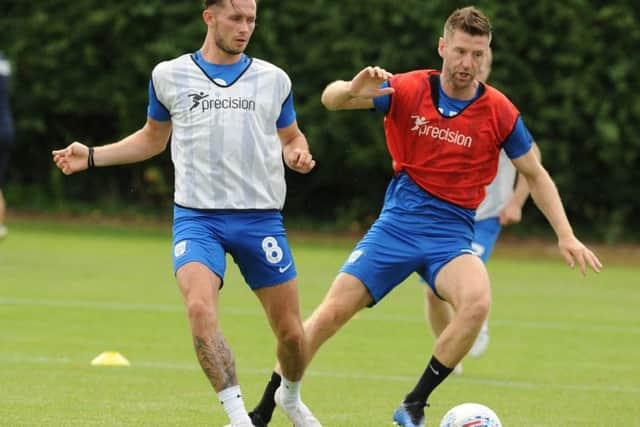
(299, 160)
(366, 84)
(574, 251)
(71, 159)
(510, 215)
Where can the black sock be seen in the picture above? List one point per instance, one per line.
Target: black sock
(433, 375)
(265, 407)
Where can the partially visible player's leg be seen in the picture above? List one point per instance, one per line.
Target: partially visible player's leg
(438, 314)
(281, 303)
(464, 282)
(481, 344)
(484, 240)
(261, 250)
(199, 263)
(4, 163)
(3, 227)
(344, 299)
(261, 414)
(380, 261)
(200, 289)
(282, 306)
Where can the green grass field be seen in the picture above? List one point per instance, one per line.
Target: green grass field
(565, 350)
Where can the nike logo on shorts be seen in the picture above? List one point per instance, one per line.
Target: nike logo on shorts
(285, 268)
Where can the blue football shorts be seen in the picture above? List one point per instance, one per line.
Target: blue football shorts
(485, 236)
(399, 244)
(255, 239)
(486, 232)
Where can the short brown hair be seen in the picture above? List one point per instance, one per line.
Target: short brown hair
(207, 3)
(470, 20)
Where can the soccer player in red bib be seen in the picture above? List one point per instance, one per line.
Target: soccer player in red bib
(444, 131)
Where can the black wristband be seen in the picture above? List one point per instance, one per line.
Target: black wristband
(90, 161)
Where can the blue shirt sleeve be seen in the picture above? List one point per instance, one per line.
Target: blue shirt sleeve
(155, 109)
(382, 103)
(287, 114)
(520, 140)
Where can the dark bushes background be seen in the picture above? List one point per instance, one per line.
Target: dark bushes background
(81, 70)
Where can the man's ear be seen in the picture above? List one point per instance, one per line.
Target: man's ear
(208, 17)
(441, 47)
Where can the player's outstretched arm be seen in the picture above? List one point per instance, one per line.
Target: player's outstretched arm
(546, 196)
(357, 93)
(152, 139)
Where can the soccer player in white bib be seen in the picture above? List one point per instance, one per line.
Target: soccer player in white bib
(231, 122)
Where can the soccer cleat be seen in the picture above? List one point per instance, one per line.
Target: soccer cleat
(481, 343)
(299, 414)
(3, 231)
(409, 415)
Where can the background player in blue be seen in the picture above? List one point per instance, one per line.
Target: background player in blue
(502, 206)
(442, 166)
(6, 136)
(231, 121)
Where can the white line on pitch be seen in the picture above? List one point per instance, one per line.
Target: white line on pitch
(15, 358)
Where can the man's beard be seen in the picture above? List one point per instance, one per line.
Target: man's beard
(227, 49)
(457, 84)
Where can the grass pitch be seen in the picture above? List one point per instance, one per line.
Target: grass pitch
(564, 351)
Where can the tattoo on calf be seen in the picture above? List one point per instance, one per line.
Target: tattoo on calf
(216, 360)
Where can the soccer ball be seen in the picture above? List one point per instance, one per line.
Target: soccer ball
(470, 415)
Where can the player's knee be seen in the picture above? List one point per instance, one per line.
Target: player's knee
(291, 337)
(478, 310)
(474, 303)
(200, 312)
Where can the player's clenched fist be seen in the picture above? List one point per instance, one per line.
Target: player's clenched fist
(300, 160)
(72, 159)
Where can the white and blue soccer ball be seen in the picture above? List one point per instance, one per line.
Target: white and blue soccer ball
(470, 415)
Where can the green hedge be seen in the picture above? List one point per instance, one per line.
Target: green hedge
(81, 71)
